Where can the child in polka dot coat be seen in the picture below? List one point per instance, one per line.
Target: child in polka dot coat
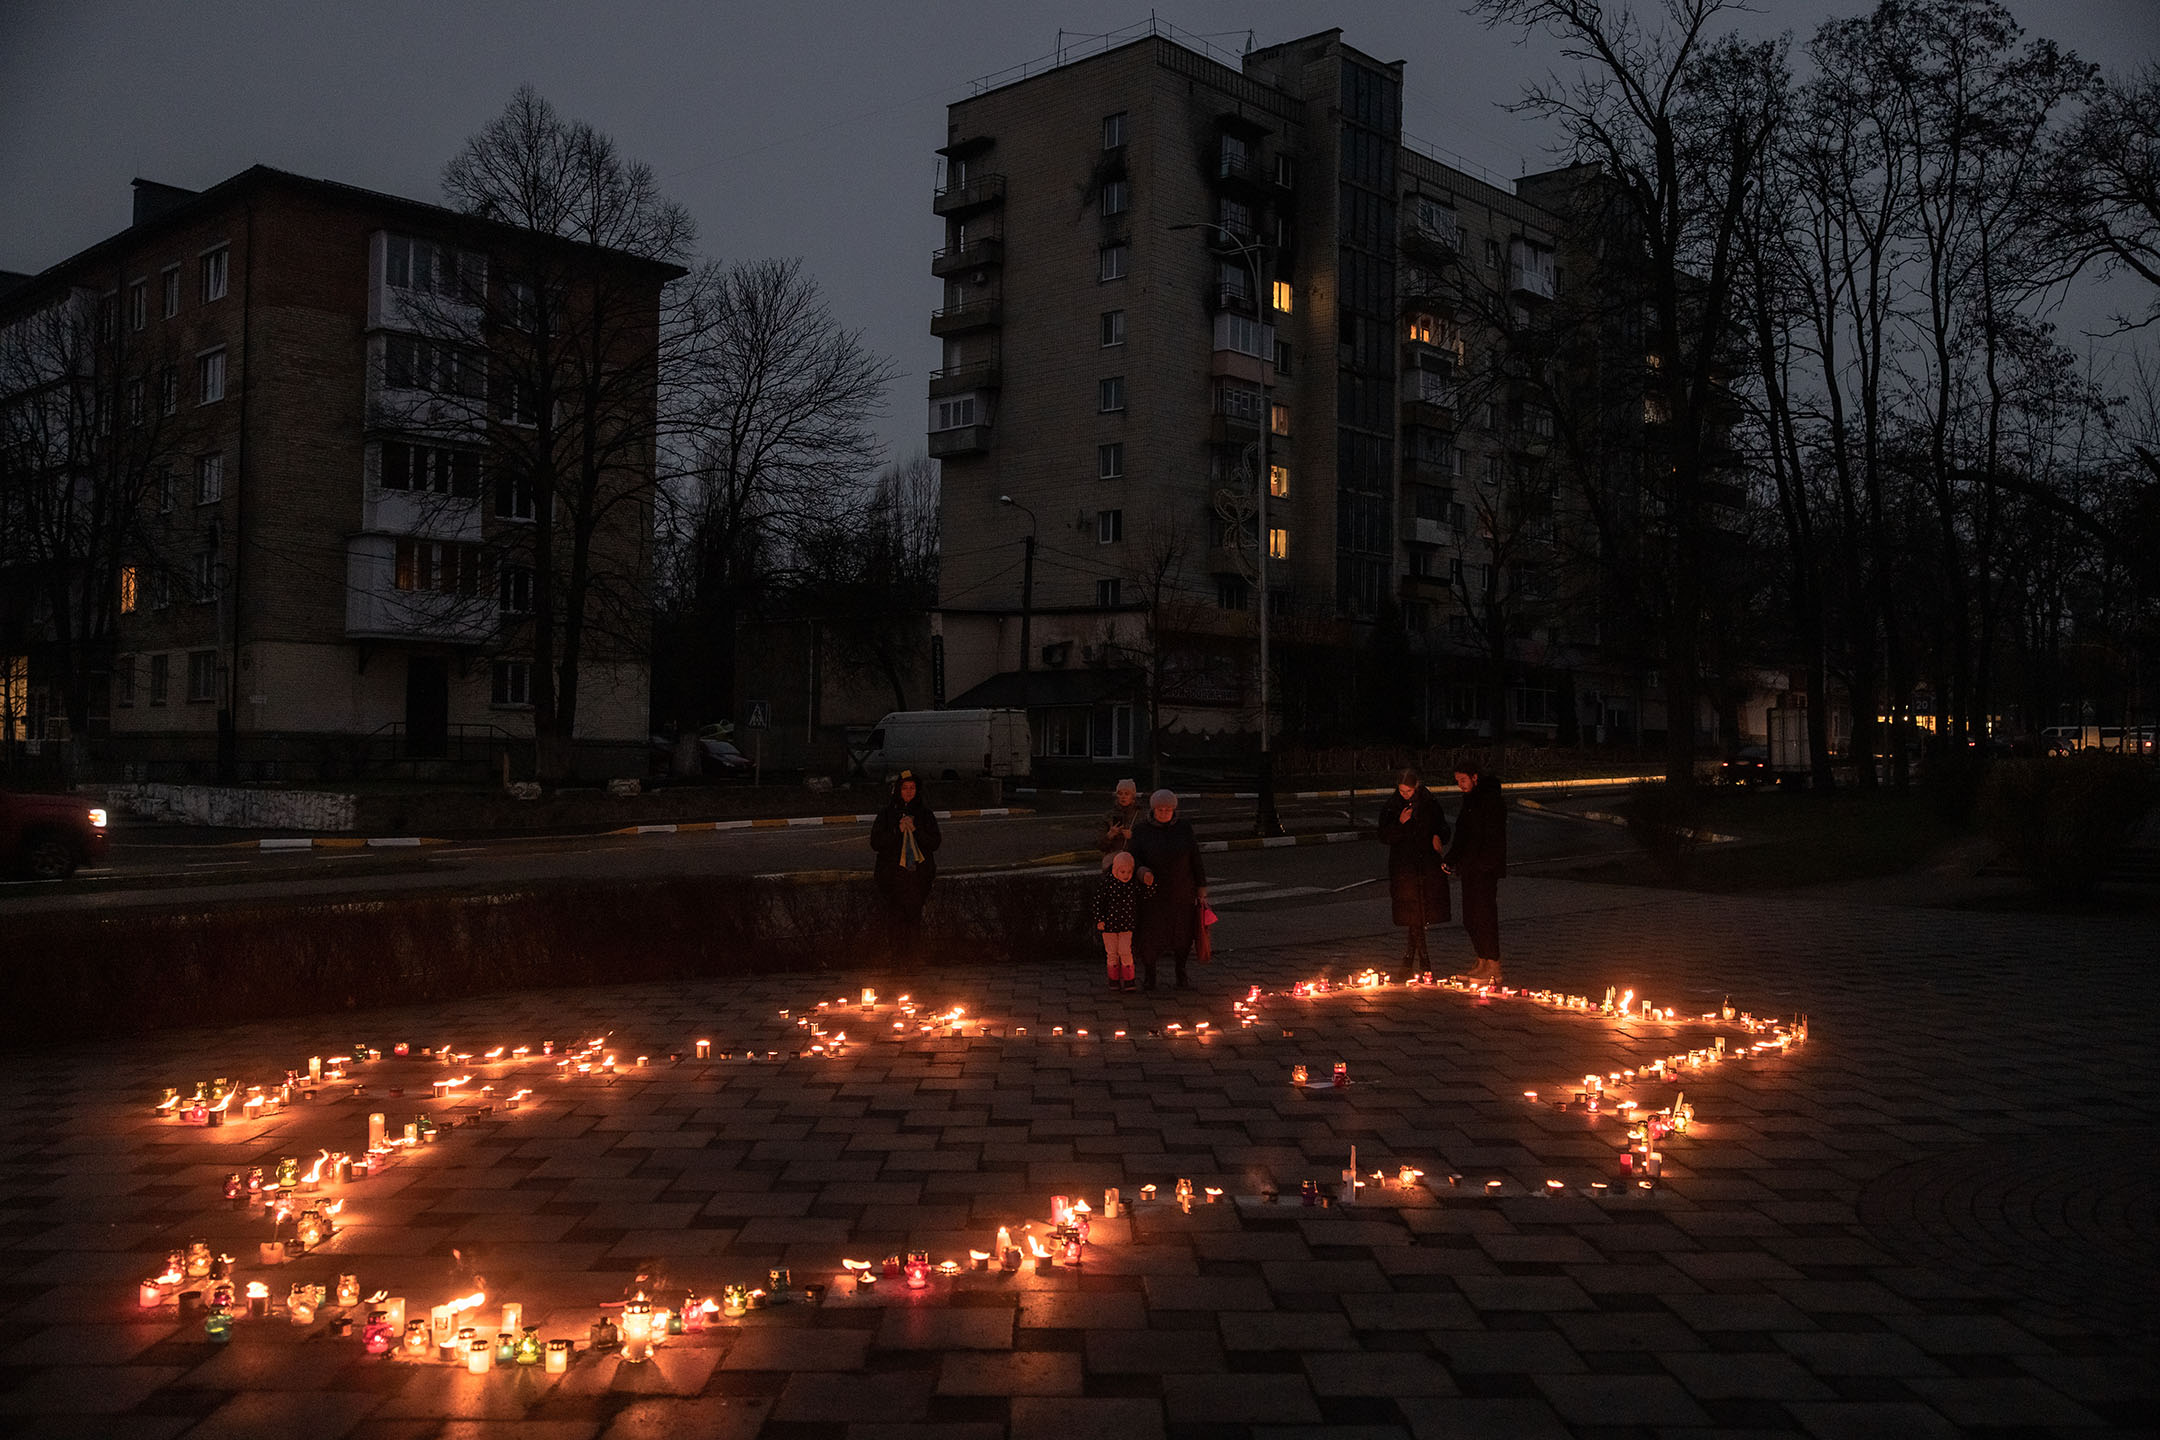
(1117, 897)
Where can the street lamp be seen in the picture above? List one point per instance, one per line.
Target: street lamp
(1254, 255)
(1027, 581)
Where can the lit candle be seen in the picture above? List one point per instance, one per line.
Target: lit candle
(704, 1049)
(1110, 1203)
(558, 1357)
(637, 1332)
(300, 1304)
(375, 1339)
(513, 1316)
(416, 1339)
(149, 1295)
(479, 1356)
(395, 1304)
(918, 1269)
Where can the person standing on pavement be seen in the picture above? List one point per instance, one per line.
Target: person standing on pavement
(1125, 814)
(905, 839)
(1415, 828)
(1117, 907)
(1175, 887)
(1479, 859)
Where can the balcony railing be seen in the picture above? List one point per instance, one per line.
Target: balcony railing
(965, 440)
(1246, 170)
(1534, 280)
(970, 194)
(975, 315)
(957, 379)
(978, 254)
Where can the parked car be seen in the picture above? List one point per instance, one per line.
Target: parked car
(45, 837)
(1749, 765)
(717, 755)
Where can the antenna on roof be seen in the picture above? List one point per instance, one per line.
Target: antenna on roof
(1248, 42)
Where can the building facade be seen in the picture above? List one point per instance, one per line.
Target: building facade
(315, 562)
(1156, 260)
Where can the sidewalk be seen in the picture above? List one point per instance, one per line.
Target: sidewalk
(1934, 1216)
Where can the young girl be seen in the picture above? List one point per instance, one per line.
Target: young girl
(1117, 894)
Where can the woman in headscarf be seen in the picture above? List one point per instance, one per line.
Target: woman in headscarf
(1125, 816)
(1479, 858)
(1414, 828)
(905, 839)
(1175, 888)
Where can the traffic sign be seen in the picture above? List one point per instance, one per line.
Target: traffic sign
(760, 715)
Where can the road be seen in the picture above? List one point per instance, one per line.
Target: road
(143, 871)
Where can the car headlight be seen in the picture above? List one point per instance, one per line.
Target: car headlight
(97, 819)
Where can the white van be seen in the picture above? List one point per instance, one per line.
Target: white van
(950, 744)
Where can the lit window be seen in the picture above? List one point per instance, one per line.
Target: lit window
(1282, 296)
(130, 589)
(213, 274)
(1278, 543)
(1279, 418)
(1278, 481)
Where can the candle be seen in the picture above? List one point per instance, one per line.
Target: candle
(735, 1299)
(1110, 1203)
(918, 1269)
(558, 1357)
(300, 1304)
(416, 1339)
(704, 1049)
(513, 1316)
(637, 1332)
(258, 1300)
(314, 1068)
(376, 1338)
(479, 1356)
(217, 1325)
(395, 1304)
(528, 1346)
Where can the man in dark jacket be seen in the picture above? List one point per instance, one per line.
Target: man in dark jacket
(1413, 827)
(1169, 857)
(905, 839)
(1479, 858)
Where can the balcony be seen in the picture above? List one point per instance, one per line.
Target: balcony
(966, 440)
(1528, 440)
(1247, 172)
(958, 379)
(1418, 470)
(1433, 356)
(975, 315)
(375, 609)
(1427, 531)
(1233, 429)
(1231, 299)
(967, 196)
(982, 253)
(1225, 239)
(1530, 270)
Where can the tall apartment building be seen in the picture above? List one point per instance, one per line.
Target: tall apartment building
(319, 563)
(1151, 254)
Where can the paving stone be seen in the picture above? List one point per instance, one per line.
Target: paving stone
(1039, 1372)
(1744, 1377)
(1152, 1352)
(1238, 1399)
(901, 1395)
(258, 1413)
(1286, 1330)
(1873, 1420)
(1483, 1420)
(1382, 1374)
(1621, 1400)
(921, 1328)
(793, 1348)
(718, 1417)
(1073, 1310)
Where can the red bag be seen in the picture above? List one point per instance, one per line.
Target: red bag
(1203, 945)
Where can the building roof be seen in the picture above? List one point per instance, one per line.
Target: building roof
(170, 207)
(1013, 690)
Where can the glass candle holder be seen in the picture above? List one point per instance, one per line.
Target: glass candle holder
(217, 1326)
(637, 1332)
(479, 1356)
(528, 1346)
(558, 1357)
(376, 1339)
(416, 1339)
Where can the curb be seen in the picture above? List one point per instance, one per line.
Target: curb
(1601, 782)
(1284, 842)
(688, 827)
(302, 842)
(1703, 837)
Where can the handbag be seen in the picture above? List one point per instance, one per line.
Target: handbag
(1203, 943)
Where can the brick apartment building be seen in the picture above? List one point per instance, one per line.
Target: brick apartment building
(321, 568)
(1151, 252)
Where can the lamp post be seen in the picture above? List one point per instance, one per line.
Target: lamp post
(1027, 581)
(1254, 255)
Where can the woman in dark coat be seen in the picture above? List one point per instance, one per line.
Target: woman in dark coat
(1414, 828)
(1479, 858)
(1176, 886)
(905, 839)
(1124, 817)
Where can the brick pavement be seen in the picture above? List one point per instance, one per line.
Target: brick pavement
(1935, 1216)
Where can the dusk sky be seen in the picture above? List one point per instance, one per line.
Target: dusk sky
(803, 129)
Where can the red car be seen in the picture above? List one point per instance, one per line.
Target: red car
(46, 836)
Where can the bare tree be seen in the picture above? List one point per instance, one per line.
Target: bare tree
(776, 408)
(2098, 203)
(1677, 123)
(556, 352)
(868, 577)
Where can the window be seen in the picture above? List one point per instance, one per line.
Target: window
(1110, 263)
(954, 414)
(1115, 197)
(1239, 402)
(1110, 461)
(213, 273)
(1232, 593)
(1492, 253)
(1279, 418)
(1278, 481)
(123, 680)
(169, 296)
(108, 316)
(1110, 394)
(1278, 543)
(437, 469)
(210, 376)
(1282, 357)
(1235, 281)
(169, 390)
(513, 683)
(137, 401)
(130, 589)
(168, 481)
(209, 479)
(203, 577)
(515, 590)
(138, 304)
(160, 590)
(449, 569)
(1281, 295)
(1113, 328)
(160, 678)
(513, 497)
(201, 676)
(1436, 220)
(1234, 155)
(1421, 329)
(1242, 334)
(1234, 216)
(1109, 526)
(424, 265)
(1285, 170)
(1108, 593)
(514, 402)
(411, 363)
(1113, 130)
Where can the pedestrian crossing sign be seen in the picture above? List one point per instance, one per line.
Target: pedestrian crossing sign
(760, 715)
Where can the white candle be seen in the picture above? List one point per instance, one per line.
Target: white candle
(376, 1129)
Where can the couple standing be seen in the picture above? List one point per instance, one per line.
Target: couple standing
(1420, 858)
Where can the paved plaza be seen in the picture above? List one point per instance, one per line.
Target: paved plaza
(1935, 1215)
